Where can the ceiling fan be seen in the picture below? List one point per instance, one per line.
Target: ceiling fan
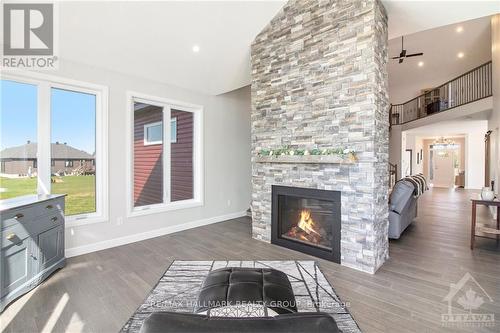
(403, 54)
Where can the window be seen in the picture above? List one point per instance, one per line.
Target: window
(164, 176)
(63, 126)
(18, 131)
(173, 130)
(181, 157)
(73, 132)
(153, 133)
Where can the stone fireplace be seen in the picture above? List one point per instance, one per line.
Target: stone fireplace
(319, 81)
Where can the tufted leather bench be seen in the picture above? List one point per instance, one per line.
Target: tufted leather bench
(237, 285)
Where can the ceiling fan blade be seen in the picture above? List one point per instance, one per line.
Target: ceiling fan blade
(401, 60)
(415, 55)
(396, 57)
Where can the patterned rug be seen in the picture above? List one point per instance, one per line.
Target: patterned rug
(178, 289)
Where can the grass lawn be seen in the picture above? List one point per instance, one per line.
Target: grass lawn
(80, 191)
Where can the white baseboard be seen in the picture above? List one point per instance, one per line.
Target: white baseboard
(79, 250)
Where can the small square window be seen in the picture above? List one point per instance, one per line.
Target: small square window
(68, 164)
(153, 134)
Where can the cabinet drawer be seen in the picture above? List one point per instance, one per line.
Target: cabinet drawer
(42, 223)
(49, 207)
(13, 235)
(19, 215)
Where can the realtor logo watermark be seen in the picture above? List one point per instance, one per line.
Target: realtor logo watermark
(467, 296)
(29, 36)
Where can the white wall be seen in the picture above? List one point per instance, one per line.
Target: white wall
(475, 158)
(415, 143)
(227, 169)
(396, 147)
(494, 120)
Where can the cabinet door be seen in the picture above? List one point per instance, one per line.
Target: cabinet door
(16, 266)
(50, 247)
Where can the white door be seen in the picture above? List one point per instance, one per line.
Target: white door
(443, 168)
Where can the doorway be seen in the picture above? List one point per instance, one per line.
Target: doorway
(444, 164)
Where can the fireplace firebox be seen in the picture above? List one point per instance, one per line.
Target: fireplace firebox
(307, 220)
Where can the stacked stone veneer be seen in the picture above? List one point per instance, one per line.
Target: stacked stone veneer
(319, 79)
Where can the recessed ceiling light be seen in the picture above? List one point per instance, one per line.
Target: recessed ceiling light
(420, 63)
(196, 48)
(460, 54)
(459, 29)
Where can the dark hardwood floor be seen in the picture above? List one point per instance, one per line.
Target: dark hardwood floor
(98, 292)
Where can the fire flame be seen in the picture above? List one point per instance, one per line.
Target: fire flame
(306, 223)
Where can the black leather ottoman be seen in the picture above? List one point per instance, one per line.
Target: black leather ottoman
(235, 286)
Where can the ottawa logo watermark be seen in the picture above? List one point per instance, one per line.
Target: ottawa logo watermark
(29, 36)
(465, 299)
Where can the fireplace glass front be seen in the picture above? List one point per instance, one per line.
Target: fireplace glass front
(307, 220)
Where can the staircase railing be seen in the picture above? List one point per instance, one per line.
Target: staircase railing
(469, 87)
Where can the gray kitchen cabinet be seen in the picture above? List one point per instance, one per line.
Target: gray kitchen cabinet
(50, 247)
(15, 268)
(32, 243)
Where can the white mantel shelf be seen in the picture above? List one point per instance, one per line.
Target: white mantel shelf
(301, 159)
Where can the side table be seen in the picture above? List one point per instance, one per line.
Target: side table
(487, 232)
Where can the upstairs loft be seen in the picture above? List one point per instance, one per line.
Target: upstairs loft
(469, 87)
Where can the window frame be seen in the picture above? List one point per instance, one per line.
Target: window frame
(44, 84)
(198, 191)
(146, 128)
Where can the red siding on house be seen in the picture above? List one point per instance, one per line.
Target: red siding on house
(148, 165)
(181, 171)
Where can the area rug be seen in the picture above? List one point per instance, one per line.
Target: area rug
(178, 289)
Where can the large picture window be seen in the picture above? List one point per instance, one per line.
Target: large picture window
(18, 148)
(73, 146)
(53, 142)
(164, 176)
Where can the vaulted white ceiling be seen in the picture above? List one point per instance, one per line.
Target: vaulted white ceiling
(154, 40)
(441, 63)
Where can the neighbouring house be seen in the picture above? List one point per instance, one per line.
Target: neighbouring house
(148, 157)
(21, 160)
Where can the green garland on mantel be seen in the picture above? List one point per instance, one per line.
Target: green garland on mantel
(287, 151)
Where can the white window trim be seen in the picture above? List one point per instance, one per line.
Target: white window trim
(146, 127)
(198, 190)
(45, 83)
